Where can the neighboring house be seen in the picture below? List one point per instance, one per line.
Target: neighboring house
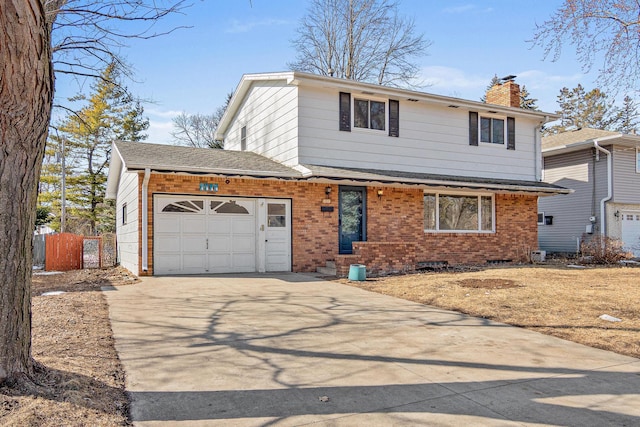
(321, 170)
(604, 170)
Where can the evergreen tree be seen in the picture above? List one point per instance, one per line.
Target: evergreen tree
(582, 109)
(628, 116)
(110, 113)
(526, 102)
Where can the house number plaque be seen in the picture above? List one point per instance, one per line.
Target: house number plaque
(205, 186)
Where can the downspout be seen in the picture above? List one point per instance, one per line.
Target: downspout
(145, 219)
(609, 184)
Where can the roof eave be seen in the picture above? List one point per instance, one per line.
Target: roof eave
(115, 170)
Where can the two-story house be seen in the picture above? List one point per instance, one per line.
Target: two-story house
(603, 168)
(319, 169)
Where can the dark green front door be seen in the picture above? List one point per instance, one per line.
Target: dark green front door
(352, 217)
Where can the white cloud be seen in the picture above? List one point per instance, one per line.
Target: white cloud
(246, 26)
(536, 79)
(160, 131)
(451, 81)
(155, 112)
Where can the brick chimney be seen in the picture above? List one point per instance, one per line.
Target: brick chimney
(506, 93)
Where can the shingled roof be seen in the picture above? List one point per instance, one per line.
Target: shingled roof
(138, 156)
(568, 138)
(171, 158)
(433, 180)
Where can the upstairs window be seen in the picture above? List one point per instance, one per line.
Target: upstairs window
(637, 160)
(369, 114)
(492, 130)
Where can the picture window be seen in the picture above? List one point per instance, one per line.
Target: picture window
(454, 212)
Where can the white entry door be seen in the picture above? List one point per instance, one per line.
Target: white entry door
(631, 231)
(278, 235)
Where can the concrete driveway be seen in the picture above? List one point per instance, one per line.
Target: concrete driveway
(290, 349)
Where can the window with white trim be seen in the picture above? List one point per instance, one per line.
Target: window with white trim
(124, 214)
(637, 160)
(492, 130)
(369, 114)
(458, 212)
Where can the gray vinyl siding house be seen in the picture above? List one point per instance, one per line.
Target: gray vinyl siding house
(602, 169)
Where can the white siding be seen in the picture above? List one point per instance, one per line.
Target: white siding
(127, 234)
(433, 139)
(571, 212)
(270, 114)
(626, 181)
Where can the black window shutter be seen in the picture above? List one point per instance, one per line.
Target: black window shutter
(473, 128)
(511, 133)
(345, 111)
(394, 118)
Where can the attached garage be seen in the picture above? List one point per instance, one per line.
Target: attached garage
(200, 235)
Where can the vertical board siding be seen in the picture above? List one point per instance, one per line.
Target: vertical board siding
(433, 139)
(127, 234)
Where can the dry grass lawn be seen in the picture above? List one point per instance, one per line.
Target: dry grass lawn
(561, 301)
(79, 380)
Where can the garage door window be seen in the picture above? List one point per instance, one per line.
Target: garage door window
(230, 207)
(276, 215)
(185, 206)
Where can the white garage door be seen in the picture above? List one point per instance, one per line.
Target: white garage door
(198, 235)
(631, 231)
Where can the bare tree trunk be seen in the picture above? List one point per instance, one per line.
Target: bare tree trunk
(26, 90)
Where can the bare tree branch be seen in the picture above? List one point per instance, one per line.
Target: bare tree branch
(604, 30)
(364, 40)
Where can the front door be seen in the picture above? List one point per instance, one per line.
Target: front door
(352, 217)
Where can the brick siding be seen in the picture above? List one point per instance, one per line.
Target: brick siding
(396, 240)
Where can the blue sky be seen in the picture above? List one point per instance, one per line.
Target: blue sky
(193, 69)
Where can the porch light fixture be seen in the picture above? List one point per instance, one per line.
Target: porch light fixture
(327, 190)
(380, 193)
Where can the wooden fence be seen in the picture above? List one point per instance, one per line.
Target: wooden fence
(63, 252)
(66, 251)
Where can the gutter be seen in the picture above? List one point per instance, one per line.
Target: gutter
(609, 184)
(145, 220)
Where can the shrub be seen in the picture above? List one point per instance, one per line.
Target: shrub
(603, 250)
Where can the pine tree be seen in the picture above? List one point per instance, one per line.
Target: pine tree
(526, 102)
(628, 116)
(110, 113)
(582, 109)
